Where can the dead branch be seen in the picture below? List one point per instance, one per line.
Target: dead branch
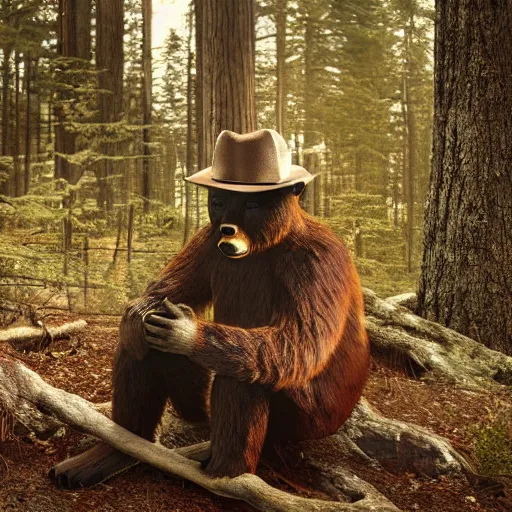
(39, 338)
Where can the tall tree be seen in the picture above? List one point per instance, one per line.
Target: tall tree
(190, 127)
(174, 93)
(410, 150)
(110, 63)
(28, 75)
(147, 94)
(281, 11)
(312, 13)
(7, 48)
(225, 71)
(467, 260)
(74, 42)
(17, 132)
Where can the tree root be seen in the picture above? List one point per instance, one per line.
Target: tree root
(410, 447)
(428, 350)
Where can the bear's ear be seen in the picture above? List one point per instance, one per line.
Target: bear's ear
(298, 188)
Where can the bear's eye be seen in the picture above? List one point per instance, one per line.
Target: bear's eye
(251, 206)
(217, 203)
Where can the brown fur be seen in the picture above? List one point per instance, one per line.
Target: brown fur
(287, 348)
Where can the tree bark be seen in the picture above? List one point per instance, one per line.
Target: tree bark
(170, 170)
(467, 259)
(225, 71)
(147, 12)
(110, 63)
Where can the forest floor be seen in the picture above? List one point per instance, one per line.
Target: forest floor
(82, 365)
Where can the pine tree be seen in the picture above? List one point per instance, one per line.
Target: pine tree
(147, 95)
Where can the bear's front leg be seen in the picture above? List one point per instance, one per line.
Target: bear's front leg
(239, 419)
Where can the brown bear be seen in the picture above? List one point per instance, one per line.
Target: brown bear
(286, 356)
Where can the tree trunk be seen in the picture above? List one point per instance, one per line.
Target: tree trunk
(410, 132)
(198, 209)
(309, 125)
(358, 168)
(225, 71)
(28, 124)
(189, 149)
(467, 259)
(39, 140)
(171, 164)
(6, 78)
(147, 94)
(74, 33)
(110, 63)
(280, 67)
(16, 134)
(202, 161)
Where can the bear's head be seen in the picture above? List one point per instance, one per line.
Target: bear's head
(249, 223)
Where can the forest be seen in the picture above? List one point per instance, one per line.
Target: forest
(400, 108)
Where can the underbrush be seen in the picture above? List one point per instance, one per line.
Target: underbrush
(493, 444)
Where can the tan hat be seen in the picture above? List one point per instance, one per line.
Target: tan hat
(252, 162)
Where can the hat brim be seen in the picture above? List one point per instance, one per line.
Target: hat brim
(204, 179)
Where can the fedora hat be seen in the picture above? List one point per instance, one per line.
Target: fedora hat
(252, 162)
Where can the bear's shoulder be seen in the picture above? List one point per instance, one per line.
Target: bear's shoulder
(312, 252)
(315, 240)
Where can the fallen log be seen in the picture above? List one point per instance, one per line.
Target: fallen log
(27, 339)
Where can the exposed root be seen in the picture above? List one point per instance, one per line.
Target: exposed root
(430, 351)
(412, 448)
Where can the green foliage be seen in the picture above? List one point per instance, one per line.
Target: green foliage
(493, 444)
(344, 71)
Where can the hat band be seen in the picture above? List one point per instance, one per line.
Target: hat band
(258, 184)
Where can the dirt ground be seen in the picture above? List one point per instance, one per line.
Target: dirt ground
(82, 365)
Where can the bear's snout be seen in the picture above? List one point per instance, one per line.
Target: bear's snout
(234, 242)
(228, 229)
